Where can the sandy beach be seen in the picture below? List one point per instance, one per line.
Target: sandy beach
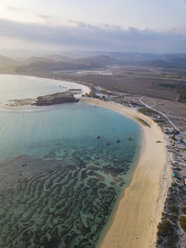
(138, 211)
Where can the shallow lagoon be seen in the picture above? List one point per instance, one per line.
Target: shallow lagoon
(23, 87)
(59, 179)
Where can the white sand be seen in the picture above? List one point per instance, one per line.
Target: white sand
(138, 212)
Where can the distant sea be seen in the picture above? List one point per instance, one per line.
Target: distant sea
(61, 172)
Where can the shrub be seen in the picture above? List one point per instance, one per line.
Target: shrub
(173, 137)
(183, 222)
(173, 209)
(92, 94)
(183, 210)
(174, 184)
(147, 111)
(165, 228)
(144, 123)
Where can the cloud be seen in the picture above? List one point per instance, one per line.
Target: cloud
(11, 8)
(45, 17)
(40, 16)
(85, 36)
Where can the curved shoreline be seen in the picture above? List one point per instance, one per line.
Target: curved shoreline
(139, 209)
(55, 92)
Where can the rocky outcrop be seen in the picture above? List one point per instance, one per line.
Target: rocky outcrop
(57, 98)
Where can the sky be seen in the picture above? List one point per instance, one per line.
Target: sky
(111, 25)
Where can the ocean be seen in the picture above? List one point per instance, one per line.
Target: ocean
(62, 169)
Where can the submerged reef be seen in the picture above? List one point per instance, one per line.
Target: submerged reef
(64, 198)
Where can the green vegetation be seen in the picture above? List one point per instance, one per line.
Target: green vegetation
(104, 92)
(103, 98)
(174, 138)
(172, 86)
(159, 121)
(144, 123)
(91, 94)
(165, 228)
(174, 184)
(183, 210)
(183, 222)
(181, 140)
(173, 209)
(147, 111)
(181, 95)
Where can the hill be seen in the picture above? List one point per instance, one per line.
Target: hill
(7, 65)
(46, 64)
(49, 66)
(98, 61)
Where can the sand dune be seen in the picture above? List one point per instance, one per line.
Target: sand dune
(138, 212)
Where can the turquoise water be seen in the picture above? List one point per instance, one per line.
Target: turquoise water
(61, 173)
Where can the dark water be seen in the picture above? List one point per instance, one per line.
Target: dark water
(61, 173)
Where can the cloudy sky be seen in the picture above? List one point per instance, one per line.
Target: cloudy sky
(111, 25)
